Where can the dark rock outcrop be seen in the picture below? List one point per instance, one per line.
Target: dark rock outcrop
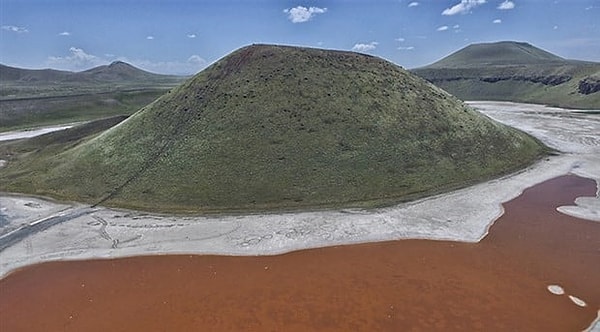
(589, 85)
(546, 80)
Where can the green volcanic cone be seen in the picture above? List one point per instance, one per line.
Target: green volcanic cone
(283, 127)
(516, 71)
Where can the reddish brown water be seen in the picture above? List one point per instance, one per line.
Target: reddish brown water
(498, 284)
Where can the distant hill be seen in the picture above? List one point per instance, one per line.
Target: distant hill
(516, 71)
(276, 127)
(32, 97)
(497, 54)
(12, 74)
(117, 71)
(121, 71)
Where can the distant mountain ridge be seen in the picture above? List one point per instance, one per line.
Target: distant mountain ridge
(516, 71)
(115, 89)
(11, 74)
(117, 71)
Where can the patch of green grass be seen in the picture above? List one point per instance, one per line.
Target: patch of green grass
(271, 127)
(40, 149)
(31, 112)
(502, 53)
(510, 71)
(30, 98)
(521, 92)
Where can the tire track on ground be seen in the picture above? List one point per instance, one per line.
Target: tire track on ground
(40, 225)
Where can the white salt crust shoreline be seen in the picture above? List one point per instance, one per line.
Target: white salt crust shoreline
(595, 326)
(28, 133)
(462, 215)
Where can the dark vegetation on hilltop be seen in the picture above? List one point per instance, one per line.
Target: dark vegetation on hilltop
(513, 71)
(42, 97)
(274, 127)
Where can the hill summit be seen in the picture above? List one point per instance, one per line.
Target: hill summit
(505, 53)
(115, 72)
(283, 127)
(516, 71)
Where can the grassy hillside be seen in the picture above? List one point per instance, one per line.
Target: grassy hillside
(42, 97)
(55, 142)
(120, 71)
(32, 112)
(282, 127)
(11, 74)
(497, 54)
(520, 72)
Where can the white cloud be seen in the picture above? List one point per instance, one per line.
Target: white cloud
(555, 27)
(150, 37)
(302, 14)
(191, 35)
(13, 28)
(192, 65)
(64, 33)
(506, 5)
(406, 48)
(361, 47)
(78, 59)
(463, 7)
(442, 28)
(196, 59)
(400, 39)
(413, 4)
(80, 54)
(497, 21)
(456, 26)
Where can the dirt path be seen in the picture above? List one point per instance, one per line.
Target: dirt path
(15, 236)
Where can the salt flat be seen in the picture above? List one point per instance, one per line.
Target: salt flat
(461, 215)
(18, 134)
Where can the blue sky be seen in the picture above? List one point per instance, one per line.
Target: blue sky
(184, 36)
